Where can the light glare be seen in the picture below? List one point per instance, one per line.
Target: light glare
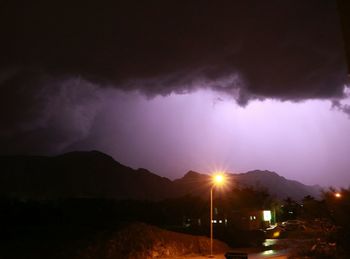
(218, 179)
(337, 195)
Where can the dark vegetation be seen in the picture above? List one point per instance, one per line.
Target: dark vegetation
(320, 228)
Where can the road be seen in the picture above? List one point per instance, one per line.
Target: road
(271, 254)
(252, 254)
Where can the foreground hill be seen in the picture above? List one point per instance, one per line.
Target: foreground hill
(94, 174)
(124, 240)
(139, 240)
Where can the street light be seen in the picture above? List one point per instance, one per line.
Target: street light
(337, 195)
(218, 179)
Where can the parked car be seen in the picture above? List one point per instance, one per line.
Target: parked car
(291, 225)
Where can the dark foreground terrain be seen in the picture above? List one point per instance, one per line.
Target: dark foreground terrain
(99, 229)
(127, 241)
(86, 228)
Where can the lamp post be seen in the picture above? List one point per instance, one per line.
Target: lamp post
(217, 180)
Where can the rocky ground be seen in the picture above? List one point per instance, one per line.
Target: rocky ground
(139, 240)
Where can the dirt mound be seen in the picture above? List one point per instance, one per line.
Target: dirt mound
(139, 240)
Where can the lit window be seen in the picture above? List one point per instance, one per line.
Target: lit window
(267, 215)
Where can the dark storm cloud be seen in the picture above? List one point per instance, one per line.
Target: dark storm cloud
(45, 115)
(341, 107)
(280, 49)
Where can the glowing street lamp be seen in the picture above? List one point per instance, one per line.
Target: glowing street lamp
(218, 179)
(337, 195)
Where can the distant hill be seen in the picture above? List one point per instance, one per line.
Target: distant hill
(277, 185)
(95, 174)
(78, 174)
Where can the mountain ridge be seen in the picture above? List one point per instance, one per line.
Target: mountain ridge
(95, 174)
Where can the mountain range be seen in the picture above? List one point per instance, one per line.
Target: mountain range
(96, 175)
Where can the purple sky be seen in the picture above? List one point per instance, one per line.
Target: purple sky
(206, 130)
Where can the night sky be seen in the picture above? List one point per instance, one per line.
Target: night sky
(173, 86)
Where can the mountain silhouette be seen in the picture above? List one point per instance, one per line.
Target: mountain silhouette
(96, 175)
